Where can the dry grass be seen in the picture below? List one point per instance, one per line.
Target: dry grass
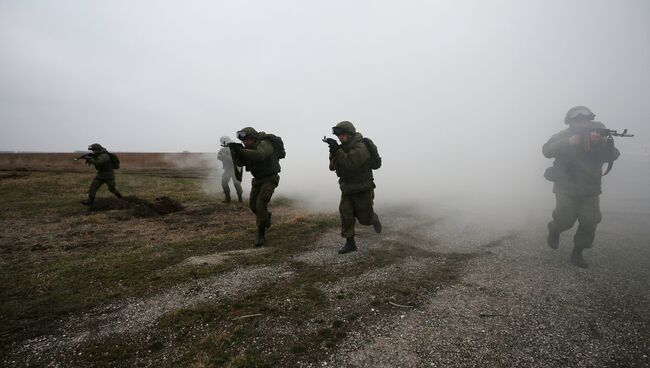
(130, 161)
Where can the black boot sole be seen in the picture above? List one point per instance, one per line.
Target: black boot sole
(346, 249)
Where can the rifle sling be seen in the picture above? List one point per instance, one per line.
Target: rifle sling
(610, 164)
(610, 147)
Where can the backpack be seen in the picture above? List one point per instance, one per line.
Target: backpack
(375, 159)
(115, 161)
(278, 145)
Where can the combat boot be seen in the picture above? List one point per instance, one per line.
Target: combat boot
(376, 224)
(88, 202)
(553, 238)
(260, 236)
(349, 246)
(576, 258)
(239, 197)
(226, 198)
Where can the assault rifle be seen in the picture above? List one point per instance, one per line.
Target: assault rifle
(609, 135)
(232, 146)
(85, 156)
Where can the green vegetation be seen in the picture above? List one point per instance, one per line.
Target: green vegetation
(59, 260)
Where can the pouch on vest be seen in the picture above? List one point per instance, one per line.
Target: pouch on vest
(550, 174)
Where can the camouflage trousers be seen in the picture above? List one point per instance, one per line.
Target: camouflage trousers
(357, 206)
(225, 180)
(259, 202)
(100, 180)
(586, 210)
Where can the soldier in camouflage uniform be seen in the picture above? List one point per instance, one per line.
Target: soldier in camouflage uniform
(228, 171)
(101, 159)
(261, 159)
(350, 160)
(577, 171)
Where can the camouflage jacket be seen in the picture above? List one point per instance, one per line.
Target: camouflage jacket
(103, 164)
(261, 160)
(576, 172)
(351, 163)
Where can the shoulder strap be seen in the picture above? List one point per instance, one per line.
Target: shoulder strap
(610, 147)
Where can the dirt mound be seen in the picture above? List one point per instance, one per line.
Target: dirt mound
(110, 204)
(138, 206)
(165, 205)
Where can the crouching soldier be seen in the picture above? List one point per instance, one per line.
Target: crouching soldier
(106, 163)
(228, 171)
(579, 152)
(260, 154)
(353, 160)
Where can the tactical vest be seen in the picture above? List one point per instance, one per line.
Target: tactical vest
(579, 173)
(262, 169)
(362, 174)
(106, 167)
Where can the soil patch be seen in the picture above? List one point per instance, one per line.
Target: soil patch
(139, 207)
(13, 175)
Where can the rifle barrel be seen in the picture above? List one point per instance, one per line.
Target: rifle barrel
(614, 133)
(83, 156)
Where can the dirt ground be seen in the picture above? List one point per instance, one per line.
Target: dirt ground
(84, 288)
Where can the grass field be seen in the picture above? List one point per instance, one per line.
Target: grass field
(438, 287)
(82, 288)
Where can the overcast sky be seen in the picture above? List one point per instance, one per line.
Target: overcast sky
(458, 85)
(172, 75)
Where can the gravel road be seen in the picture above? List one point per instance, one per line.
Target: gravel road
(517, 303)
(521, 304)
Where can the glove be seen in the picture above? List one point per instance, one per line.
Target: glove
(235, 146)
(334, 146)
